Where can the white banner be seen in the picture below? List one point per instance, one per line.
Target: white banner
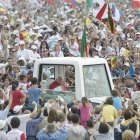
(6, 3)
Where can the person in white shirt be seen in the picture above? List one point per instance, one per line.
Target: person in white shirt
(15, 133)
(74, 48)
(57, 51)
(38, 40)
(23, 52)
(23, 117)
(2, 132)
(137, 42)
(35, 54)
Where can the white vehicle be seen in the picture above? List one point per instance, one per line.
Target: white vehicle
(88, 77)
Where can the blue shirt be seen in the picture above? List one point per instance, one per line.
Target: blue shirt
(4, 113)
(34, 95)
(31, 126)
(60, 134)
(117, 103)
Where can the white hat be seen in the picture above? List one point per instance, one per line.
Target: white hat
(138, 46)
(14, 32)
(17, 108)
(138, 33)
(43, 26)
(127, 64)
(2, 124)
(33, 47)
(130, 16)
(1, 102)
(5, 18)
(16, 45)
(60, 38)
(36, 28)
(9, 47)
(22, 42)
(22, 28)
(130, 39)
(41, 31)
(27, 25)
(32, 34)
(39, 35)
(49, 30)
(21, 58)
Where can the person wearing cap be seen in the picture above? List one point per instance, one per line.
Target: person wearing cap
(2, 132)
(35, 54)
(35, 29)
(93, 52)
(128, 70)
(32, 37)
(62, 44)
(13, 37)
(104, 53)
(137, 41)
(15, 133)
(23, 117)
(137, 72)
(38, 41)
(52, 132)
(23, 52)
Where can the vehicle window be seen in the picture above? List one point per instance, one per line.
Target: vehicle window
(58, 80)
(96, 81)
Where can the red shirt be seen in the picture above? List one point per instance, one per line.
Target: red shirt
(17, 96)
(54, 85)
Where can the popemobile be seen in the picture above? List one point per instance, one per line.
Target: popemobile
(74, 77)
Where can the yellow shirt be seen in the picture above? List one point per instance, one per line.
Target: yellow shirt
(109, 113)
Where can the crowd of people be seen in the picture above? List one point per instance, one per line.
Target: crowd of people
(32, 30)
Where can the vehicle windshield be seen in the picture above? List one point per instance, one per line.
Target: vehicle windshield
(58, 80)
(96, 81)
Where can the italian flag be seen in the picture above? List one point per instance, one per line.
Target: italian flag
(113, 61)
(111, 25)
(83, 47)
(136, 4)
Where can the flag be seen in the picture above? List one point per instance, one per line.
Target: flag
(83, 43)
(124, 52)
(89, 4)
(110, 20)
(99, 9)
(2, 8)
(74, 3)
(88, 21)
(113, 61)
(68, 1)
(51, 2)
(79, 1)
(115, 12)
(136, 4)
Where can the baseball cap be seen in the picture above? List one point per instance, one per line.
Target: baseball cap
(34, 47)
(22, 43)
(127, 64)
(17, 108)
